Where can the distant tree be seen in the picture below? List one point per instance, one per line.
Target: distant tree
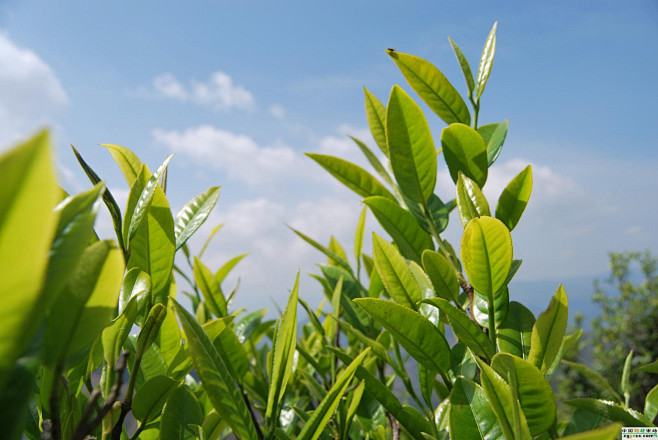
(628, 321)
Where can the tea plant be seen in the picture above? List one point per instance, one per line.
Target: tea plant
(94, 342)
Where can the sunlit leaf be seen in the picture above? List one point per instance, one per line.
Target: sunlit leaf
(395, 273)
(128, 161)
(471, 203)
(442, 274)
(376, 115)
(486, 61)
(494, 137)
(193, 214)
(514, 334)
(464, 151)
(471, 416)
(548, 331)
(515, 196)
(210, 288)
(466, 68)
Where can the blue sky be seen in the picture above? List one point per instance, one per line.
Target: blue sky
(239, 90)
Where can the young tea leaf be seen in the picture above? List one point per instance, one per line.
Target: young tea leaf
(464, 151)
(515, 196)
(193, 214)
(548, 331)
(471, 203)
(376, 115)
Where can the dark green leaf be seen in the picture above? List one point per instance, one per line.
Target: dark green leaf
(182, 409)
(494, 137)
(611, 411)
(471, 417)
(151, 397)
(514, 334)
(442, 274)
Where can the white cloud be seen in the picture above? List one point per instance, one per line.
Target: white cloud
(238, 155)
(30, 92)
(218, 93)
(278, 111)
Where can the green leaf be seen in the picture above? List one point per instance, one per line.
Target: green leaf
(422, 339)
(464, 150)
(151, 397)
(374, 386)
(433, 87)
(442, 275)
(466, 68)
(410, 147)
(329, 253)
(465, 329)
(426, 292)
(548, 331)
(611, 411)
(210, 289)
(515, 333)
(113, 337)
(462, 362)
(283, 350)
(376, 115)
(216, 378)
(213, 425)
(182, 409)
(15, 397)
(650, 368)
(494, 137)
(625, 378)
(144, 200)
(353, 176)
(651, 404)
(193, 214)
(515, 196)
(486, 61)
(470, 416)
(128, 161)
(471, 203)
(87, 303)
(223, 271)
(595, 378)
(410, 238)
(503, 403)
(534, 392)
(73, 234)
(395, 273)
(358, 237)
(153, 247)
(315, 425)
(136, 284)
(108, 199)
(28, 195)
(486, 251)
(610, 432)
(481, 307)
(210, 236)
(374, 162)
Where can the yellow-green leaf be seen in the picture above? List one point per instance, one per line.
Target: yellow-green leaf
(471, 203)
(376, 115)
(28, 194)
(486, 61)
(395, 273)
(442, 274)
(548, 331)
(193, 214)
(464, 150)
(433, 87)
(210, 289)
(514, 199)
(486, 251)
(128, 161)
(410, 147)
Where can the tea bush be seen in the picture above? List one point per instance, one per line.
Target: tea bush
(70, 302)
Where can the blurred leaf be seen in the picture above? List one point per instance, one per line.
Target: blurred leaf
(28, 195)
(594, 378)
(515, 196)
(651, 404)
(374, 162)
(87, 303)
(422, 340)
(433, 87)
(625, 378)
(548, 331)
(464, 150)
(210, 288)
(210, 236)
(323, 249)
(194, 214)
(223, 271)
(358, 237)
(610, 432)
(410, 146)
